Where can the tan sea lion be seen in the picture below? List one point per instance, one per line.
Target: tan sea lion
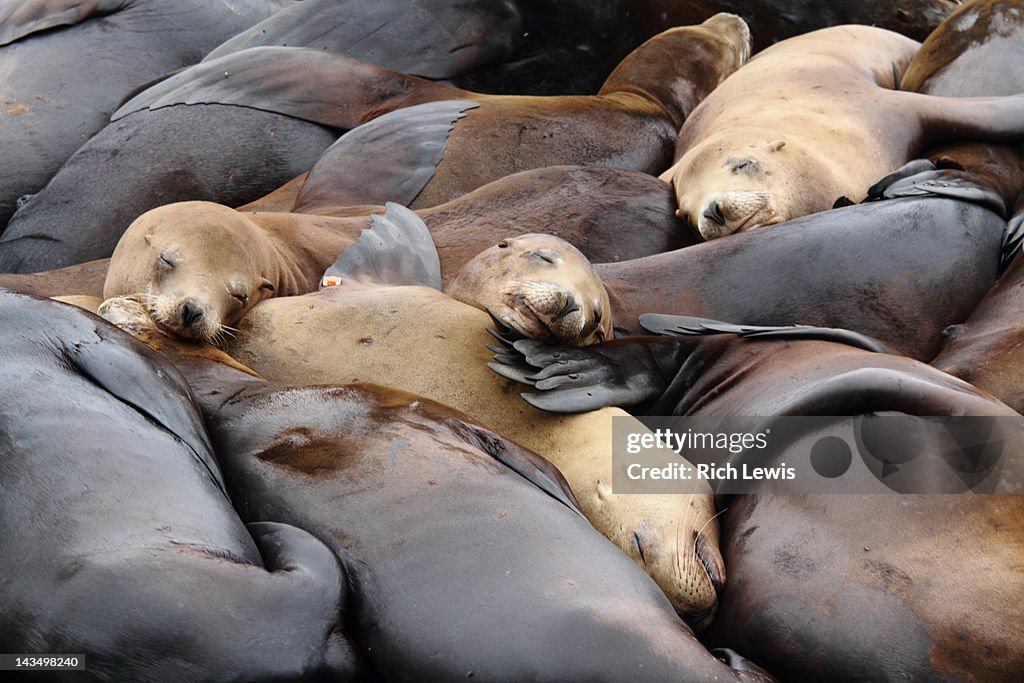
(414, 338)
(812, 119)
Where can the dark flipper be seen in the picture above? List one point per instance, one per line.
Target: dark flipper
(389, 159)
(329, 89)
(429, 38)
(1012, 239)
(21, 18)
(683, 325)
(577, 380)
(396, 249)
(921, 178)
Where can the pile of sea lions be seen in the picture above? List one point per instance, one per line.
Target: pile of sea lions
(318, 319)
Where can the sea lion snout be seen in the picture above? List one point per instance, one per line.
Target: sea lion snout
(191, 313)
(735, 211)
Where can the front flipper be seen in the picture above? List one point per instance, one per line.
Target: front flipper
(577, 380)
(684, 325)
(21, 18)
(396, 249)
(389, 159)
(332, 90)
(921, 178)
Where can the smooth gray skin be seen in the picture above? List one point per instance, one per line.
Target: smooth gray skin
(119, 541)
(226, 154)
(63, 74)
(429, 38)
(900, 271)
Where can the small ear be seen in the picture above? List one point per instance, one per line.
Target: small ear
(776, 145)
(149, 239)
(267, 285)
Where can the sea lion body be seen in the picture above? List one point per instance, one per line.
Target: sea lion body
(119, 540)
(343, 335)
(986, 349)
(874, 268)
(825, 582)
(53, 96)
(393, 482)
(776, 142)
(976, 52)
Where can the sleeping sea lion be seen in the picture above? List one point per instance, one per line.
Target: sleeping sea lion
(53, 95)
(359, 330)
(468, 554)
(813, 119)
(899, 270)
(201, 267)
(260, 126)
(119, 540)
(820, 584)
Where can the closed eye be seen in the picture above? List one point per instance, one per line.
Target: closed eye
(241, 298)
(164, 261)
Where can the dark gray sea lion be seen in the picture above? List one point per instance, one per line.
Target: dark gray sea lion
(899, 270)
(821, 584)
(119, 540)
(67, 65)
(393, 483)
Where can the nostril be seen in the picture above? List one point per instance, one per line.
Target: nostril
(571, 306)
(190, 313)
(713, 212)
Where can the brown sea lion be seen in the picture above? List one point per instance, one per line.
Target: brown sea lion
(813, 119)
(987, 350)
(820, 584)
(976, 52)
(394, 482)
(356, 331)
(899, 270)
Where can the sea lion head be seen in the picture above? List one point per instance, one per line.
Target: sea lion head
(540, 286)
(739, 183)
(199, 267)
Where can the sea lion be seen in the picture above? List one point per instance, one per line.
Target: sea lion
(234, 117)
(976, 52)
(775, 142)
(584, 205)
(202, 266)
(985, 350)
(356, 331)
(819, 584)
(119, 540)
(899, 270)
(644, 101)
(393, 483)
(54, 97)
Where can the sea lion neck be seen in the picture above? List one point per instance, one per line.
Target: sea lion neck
(674, 70)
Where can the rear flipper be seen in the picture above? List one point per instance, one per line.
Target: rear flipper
(396, 249)
(1013, 237)
(332, 90)
(921, 178)
(389, 159)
